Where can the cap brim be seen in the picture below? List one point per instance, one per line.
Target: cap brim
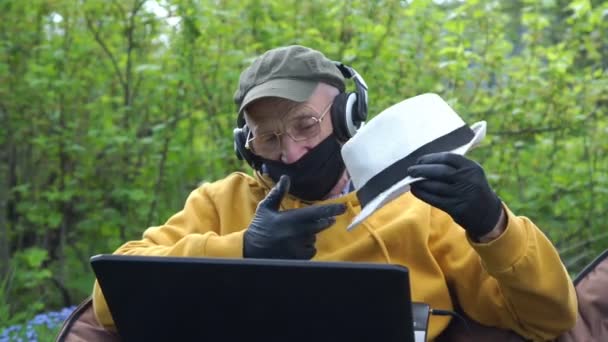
(403, 186)
(295, 90)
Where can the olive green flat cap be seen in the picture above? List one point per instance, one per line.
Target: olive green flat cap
(290, 72)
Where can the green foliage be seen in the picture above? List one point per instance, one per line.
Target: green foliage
(22, 285)
(113, 111)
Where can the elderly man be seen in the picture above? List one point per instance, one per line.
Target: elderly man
(464, 248)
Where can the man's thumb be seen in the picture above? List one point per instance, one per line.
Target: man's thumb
(274, 197)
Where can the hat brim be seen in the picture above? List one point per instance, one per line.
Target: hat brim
(403, 186)
(291, 89)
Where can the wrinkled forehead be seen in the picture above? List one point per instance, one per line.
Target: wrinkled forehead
(270, 111)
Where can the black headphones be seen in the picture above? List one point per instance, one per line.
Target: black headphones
(348, 113)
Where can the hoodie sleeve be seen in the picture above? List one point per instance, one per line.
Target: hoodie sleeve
(192, 232)
(516, 281)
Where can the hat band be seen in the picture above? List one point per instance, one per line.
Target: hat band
(398, 170)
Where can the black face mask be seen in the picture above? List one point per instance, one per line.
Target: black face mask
(315, 174)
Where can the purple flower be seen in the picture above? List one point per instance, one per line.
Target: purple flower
(27, 332)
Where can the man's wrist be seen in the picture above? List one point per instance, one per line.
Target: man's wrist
(498, 229)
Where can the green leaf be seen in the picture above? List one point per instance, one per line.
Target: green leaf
(34, 257)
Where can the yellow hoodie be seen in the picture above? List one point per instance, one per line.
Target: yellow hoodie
(515, 282)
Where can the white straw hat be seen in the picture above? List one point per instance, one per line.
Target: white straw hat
(378, 156)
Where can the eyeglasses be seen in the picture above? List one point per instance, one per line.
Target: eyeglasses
(297, 127)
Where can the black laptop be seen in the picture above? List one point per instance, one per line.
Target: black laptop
(210, 299)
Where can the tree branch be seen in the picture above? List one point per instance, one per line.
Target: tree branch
(106, 50)
(164, 153)
(4, 229)
(380, 42)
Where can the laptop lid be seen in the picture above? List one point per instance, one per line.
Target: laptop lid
(210, 299)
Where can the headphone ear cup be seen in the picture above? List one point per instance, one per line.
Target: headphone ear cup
(345, 116)
(352, 114)
(338, 117)
(237, 134)
(242, 153)
(361, 105)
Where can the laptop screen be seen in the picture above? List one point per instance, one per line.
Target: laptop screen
(210, 299)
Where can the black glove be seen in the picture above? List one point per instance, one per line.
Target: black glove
(459, 187)
(289, 234)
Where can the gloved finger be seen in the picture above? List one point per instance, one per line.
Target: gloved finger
(308, 240)
(315, 226)
(434, 187)
(315, 212)
(435, 200)
(306, 253)
(439, 172)
(276, 194)
(445, 158)
(302, 241)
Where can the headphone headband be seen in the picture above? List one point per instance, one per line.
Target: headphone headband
(350, 73)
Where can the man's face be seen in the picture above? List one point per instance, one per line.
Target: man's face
(285, 130)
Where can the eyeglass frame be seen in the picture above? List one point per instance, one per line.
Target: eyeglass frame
(318, 120)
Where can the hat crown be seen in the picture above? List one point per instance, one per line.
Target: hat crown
(396, 133)
(289, 62)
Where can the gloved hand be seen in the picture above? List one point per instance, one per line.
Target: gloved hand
(459, 187)
(289, 234)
